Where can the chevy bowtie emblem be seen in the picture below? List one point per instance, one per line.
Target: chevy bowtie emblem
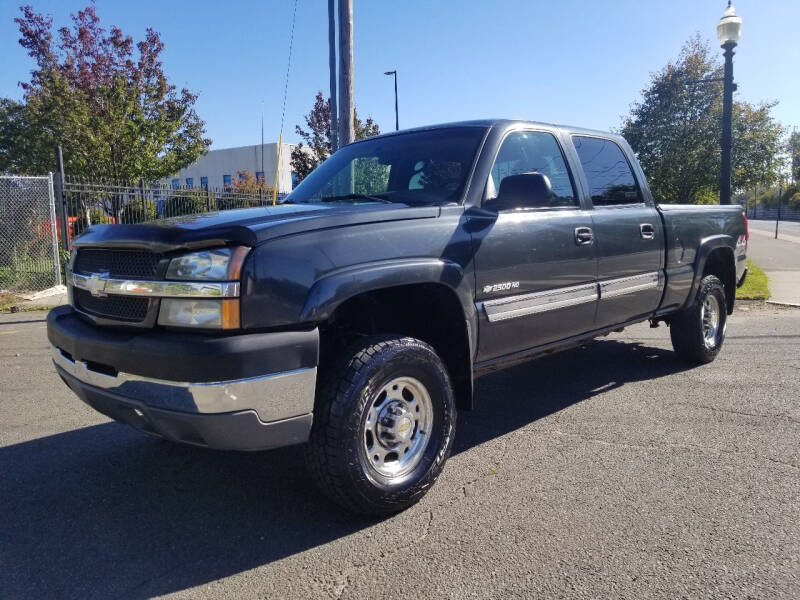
(97, 284)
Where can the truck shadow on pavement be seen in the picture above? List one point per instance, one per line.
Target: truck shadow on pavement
(105, 512)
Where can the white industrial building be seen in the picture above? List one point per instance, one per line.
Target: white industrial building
(218, 168)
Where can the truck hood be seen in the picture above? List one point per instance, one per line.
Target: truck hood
(248, 226)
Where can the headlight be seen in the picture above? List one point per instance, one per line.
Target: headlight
(211, 314)
(219, 264)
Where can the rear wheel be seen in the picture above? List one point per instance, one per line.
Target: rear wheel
(698, 331)
(384, 424)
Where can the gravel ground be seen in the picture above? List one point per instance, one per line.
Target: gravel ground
(612, 470)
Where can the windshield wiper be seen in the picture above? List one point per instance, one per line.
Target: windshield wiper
(355, 197)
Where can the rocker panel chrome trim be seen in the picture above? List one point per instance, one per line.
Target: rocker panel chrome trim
(539, 302)
(521, 305)
(613, 288)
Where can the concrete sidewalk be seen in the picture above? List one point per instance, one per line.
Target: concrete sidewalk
(55, 296)
(780, 260)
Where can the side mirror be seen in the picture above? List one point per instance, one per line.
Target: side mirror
(527, 190)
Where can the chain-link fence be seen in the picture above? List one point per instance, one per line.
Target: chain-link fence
(28, 239)
(98, 201)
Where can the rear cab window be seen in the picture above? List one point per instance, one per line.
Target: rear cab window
(608, 172)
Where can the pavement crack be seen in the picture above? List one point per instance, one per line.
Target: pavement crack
(780, 417)
(678, 446)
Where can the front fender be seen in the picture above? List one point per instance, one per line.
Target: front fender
(337, 286)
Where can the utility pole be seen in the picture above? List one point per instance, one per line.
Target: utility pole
(332, 69)
(346, 134)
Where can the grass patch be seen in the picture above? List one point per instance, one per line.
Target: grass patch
(756, 286)
(8, 300)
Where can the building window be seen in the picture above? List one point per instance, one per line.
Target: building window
(260, 176)
(190, 182)
(204, 182)
(241, 175)
(226, 181)
(176, 183)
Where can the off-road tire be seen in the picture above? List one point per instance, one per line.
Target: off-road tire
(335, 455)
(687, 329)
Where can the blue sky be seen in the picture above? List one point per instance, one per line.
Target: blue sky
(568, 61)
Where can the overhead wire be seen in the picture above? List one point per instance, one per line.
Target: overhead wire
(283, 109)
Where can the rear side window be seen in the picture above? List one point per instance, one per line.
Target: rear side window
(608, 172)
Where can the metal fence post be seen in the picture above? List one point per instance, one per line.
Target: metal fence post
(53, 229)
(208, 198)
(144, 200)
(61, 188)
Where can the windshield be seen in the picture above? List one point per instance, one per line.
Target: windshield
(417, 168)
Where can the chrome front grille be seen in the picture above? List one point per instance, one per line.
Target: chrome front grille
(140, 265)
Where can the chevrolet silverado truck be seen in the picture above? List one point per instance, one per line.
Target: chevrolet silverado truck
(354, 316)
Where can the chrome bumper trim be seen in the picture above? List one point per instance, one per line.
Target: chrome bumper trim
(100, 284)
(274, 397)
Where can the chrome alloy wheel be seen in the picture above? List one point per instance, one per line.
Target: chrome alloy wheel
(710, 317)
(397, 428)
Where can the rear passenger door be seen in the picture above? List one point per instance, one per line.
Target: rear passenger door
(628, 233)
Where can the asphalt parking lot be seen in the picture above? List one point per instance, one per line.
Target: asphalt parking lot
(611, 470)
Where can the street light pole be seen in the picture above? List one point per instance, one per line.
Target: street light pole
(727, 125)
(728, 30)
(396, 114)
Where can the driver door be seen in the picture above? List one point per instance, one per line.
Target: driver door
(535, 267)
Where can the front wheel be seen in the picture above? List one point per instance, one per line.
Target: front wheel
(384, 424)
(698, 331)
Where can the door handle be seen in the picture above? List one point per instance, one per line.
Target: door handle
(583, 236)
(647, 231)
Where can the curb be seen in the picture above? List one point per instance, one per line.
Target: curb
(784, 304)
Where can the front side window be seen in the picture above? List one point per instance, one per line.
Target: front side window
(608, 172)
(415, 168)
(533, 152)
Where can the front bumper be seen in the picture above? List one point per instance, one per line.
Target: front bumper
(243, 392)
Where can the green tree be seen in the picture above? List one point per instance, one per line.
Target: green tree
(793, 147)
(114, 112)
(675, 131)
(133, 212)
(187, 201)
(317, 147)
(247, 183)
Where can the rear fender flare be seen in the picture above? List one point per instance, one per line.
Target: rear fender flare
(707, 246)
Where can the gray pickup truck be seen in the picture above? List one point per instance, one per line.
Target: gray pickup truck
(354, 316)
